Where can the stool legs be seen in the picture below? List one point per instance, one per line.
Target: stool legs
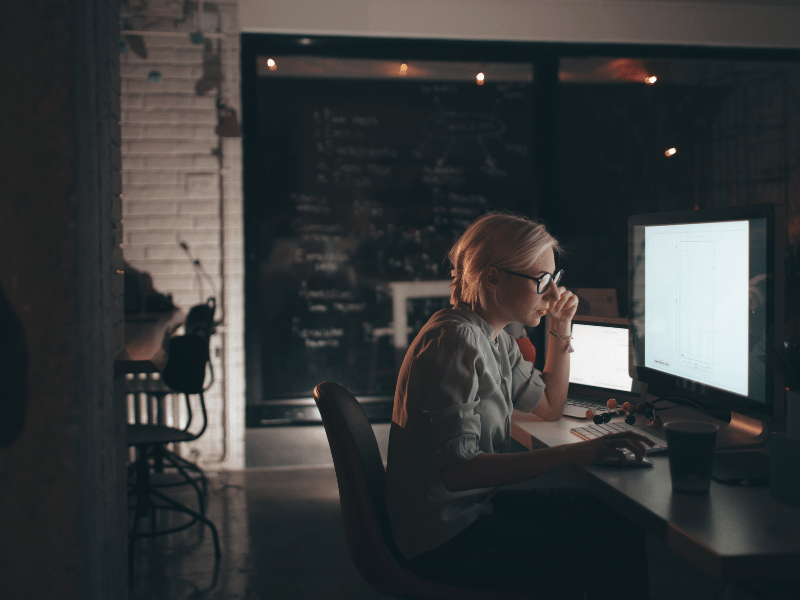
(146, 496)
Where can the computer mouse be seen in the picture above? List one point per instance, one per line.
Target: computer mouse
(613, 461)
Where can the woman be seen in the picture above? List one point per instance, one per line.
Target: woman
(449, 447)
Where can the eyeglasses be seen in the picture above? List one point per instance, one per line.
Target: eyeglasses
(543, 282)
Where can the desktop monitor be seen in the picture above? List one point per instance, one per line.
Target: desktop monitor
(705, 305)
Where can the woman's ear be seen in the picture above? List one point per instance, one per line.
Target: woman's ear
(491, 276)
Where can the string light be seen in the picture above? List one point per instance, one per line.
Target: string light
(479, 78)
(650, 80)
(271, 64)
(670, 152)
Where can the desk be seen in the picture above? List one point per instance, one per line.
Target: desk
(145, 341)
(144, 353)
(734, 533)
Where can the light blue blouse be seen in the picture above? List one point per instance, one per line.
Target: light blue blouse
(455, 394)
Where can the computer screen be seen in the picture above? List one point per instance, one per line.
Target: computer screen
(706, 304)
(600, 359)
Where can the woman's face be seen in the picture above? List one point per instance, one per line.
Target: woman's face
(517, 299)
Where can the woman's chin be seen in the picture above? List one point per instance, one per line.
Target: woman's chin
(534, 321)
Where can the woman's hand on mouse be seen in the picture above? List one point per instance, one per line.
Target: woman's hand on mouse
(612, 445)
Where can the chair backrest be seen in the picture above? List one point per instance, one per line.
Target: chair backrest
(189, 359)
(361, 478)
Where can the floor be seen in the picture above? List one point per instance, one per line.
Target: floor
(282, 538)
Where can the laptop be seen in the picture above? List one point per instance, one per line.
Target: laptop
(599, 366)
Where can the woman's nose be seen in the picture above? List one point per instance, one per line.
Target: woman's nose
(552, 293)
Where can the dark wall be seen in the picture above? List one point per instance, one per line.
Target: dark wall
(61, 480)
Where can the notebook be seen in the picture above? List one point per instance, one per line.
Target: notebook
(599, 365)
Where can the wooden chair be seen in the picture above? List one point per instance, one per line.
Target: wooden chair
(361, 478)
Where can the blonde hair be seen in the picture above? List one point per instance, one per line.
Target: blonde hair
(496, 239)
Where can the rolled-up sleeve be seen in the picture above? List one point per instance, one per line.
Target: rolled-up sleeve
(527, 385)
(445, 381)
(453, 435)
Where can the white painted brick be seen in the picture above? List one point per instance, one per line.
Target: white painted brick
(232, 190)
(133, 253)
(179, 162)
(188, 55)
(135, 222)
(169, 222)
(157, 55)
(144, 116)
(234, 354)
(163, 268)
(205, 131)
(232, 148)
(168, 137)
(155, 193)
(173, 283)
(234, 270)
(197, 207)
(174, 132)
(202, 195)
(165, 251)
(233, 237)
(195, 238)
(204, 103)
(131, 101)
(205, 163)
(175, 86)
(150, 177)
(140, 207)
(205, 221)
(184, 297)
(155, 43)
(206, 252)
(164, 147)
(149, 237)
(143, 71)
(134, 162)
(131, 131)
(195, 117)
(173, 101)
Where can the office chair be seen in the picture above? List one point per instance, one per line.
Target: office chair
(361, 478)
(184, 373)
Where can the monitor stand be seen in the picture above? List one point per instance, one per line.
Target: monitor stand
(733, 464)
(741, 432)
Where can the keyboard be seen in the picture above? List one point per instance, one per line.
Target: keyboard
(576, 406)
(590, 432)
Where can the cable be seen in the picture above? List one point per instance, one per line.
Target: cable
(198, 266)
(719, 591)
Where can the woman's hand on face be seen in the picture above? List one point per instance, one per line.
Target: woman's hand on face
(565, 307)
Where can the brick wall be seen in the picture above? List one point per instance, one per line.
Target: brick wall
(181, 182)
